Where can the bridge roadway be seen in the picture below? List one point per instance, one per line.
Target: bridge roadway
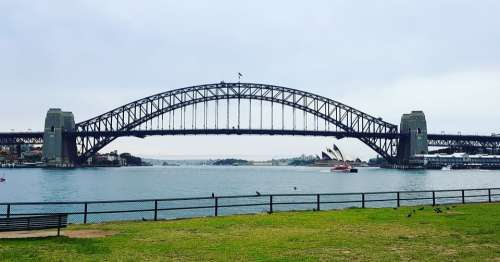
(18, 138)
(435, 140)
(232, 131)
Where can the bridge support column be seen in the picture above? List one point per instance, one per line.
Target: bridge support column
(57, 149)
(414, 141)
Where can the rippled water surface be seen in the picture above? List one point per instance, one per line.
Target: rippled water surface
(189, 181)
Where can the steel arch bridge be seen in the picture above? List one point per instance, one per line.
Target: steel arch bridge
(321, 116)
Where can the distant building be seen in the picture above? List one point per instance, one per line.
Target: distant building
(108, 159)
(31, 155)
(456, 160)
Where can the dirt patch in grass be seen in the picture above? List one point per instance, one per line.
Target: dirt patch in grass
(88, 233)
(454, 213)
(49, 233)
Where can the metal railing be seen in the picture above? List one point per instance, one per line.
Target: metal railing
(170, 208)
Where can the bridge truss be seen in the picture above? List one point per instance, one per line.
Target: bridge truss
(465, 143)
(245, 109)
(235, 108)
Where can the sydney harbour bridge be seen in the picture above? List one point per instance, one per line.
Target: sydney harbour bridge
(240, 109)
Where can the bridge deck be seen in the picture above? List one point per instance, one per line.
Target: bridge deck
(16, 138)
(437, 140)
(278, 132)
(4, 136)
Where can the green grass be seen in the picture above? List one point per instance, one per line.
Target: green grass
(465, 232)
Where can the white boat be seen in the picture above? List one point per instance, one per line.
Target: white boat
(343, 168)
(346, 168)
(446, 168)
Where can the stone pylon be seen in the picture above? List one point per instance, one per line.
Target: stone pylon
(58, 149)
(414, 127)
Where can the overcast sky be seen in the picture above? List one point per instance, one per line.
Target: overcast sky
(383, 57)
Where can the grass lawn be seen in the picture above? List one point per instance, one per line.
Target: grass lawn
(464, 232)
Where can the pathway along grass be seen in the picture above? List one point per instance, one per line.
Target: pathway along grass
(464, 232)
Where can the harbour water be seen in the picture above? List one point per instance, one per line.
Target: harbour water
(135, 183)
(91, 184)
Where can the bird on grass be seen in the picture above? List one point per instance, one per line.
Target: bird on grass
(409, 215)
(438, 210)
(257, 193)
(447, 208)
(422, 208)
(395, 208)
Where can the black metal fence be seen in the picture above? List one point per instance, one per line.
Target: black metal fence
(171, 208)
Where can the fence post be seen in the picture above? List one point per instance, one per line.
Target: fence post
(156, 210)
(317, 203)
(85, 213)
(216, 206)
(398, 200)
(270, 203)
(59, 226)
(463, 196)
(489, 195)
(363, 200)
(8, 211)
(433, 198)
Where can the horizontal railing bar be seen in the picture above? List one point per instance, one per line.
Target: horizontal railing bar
(378, 200)
(51, 215)
(340, 202)
(107, 201)
(239, 196)
(35, 214)
(448, 197)
(183, 208)
(426, 191)
(81, 213)
(466, 196)
(206, 207)
(417, 198)
(246, 205)
(339, 194)
(293, 203)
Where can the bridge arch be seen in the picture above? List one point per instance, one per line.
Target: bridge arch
(131, 116)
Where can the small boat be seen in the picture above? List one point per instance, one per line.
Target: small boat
(446, 168)
(345, 168)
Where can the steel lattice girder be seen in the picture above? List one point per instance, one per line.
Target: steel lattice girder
(379, 135)
(464, 141)
(132, 115)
